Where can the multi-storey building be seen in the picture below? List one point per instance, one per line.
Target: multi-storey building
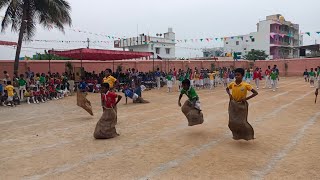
(276, 36)
(163, 45)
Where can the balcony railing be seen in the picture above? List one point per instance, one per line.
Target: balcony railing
(280, 43)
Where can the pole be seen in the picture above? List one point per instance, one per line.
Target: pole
(82, 71)
(113, 66)
(51, 56)
(153, 62)
(88, 41)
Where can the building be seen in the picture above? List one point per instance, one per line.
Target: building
(163, 47)
(276, 36)
(213, 52)
(310, 51)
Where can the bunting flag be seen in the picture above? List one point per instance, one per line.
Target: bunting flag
(216, 39)
(318, 32)
(308, 33)
(272, 36)
(201, 40)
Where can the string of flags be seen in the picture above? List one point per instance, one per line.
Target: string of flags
(67, 41)
(193, 40)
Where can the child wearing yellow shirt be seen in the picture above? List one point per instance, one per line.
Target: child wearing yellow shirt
(211, 78)
(9, 88)
(238, 107)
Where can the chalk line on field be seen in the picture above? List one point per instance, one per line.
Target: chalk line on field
(69, 167)
(276, 158)
(190, 154)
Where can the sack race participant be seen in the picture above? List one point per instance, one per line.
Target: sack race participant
(105, 128)
(191, 108)
(238, 107)
(133, 95)
(83, 102)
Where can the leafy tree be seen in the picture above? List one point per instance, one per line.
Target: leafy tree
(256, 55)
(23, 16)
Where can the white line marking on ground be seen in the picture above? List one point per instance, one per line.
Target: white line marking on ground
(68, 167)
(260, 174)
(190, 154)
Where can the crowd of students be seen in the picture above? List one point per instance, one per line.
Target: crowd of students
(209, 79)
(36, 88)
(33, 88)
(312, 76)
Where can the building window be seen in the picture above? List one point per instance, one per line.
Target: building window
(131, 50)
(237, 43)
(252, 39)
(167, 50)
(244, 48)
(158, 50)
(227, 43)
(252, 49)
(247, 41)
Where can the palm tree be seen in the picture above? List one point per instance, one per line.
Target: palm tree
(23, 15)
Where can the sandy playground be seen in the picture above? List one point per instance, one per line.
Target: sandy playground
(54, 140)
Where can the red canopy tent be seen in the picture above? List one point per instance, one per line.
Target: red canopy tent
(100, 54)
(7, 43)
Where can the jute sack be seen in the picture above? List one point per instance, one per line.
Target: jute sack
(105, 128)
(140, 100)
(238, 121)
(193, 115)
(83, 102)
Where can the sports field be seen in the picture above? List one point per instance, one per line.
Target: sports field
(54, 140)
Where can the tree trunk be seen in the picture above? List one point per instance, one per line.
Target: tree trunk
(21, 33)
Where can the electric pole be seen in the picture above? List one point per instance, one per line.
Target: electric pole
(88, 41)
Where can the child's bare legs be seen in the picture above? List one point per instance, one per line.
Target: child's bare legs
(257, 83)
(274, 85)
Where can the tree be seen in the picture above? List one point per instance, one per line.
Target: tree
(256, 55)
(23, 15)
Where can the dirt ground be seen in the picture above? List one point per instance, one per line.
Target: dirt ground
(54, 140)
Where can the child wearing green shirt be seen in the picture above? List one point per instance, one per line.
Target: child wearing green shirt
(274, 79)
(312, 76)
(22, 87)
(193, 97)
(169, 78)
(248, 76)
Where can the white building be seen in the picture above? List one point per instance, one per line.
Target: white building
(213, 52)
(163, 47)
(276, 36)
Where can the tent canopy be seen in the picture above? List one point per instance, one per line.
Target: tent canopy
(99, 54)
(7, 43)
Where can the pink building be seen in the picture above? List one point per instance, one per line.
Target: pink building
(280, 39)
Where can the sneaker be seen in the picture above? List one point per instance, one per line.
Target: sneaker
(257, 88)
(273, 90)
(28, 102)
(37, 102)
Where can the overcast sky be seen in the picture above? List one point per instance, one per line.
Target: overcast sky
(188, 18)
